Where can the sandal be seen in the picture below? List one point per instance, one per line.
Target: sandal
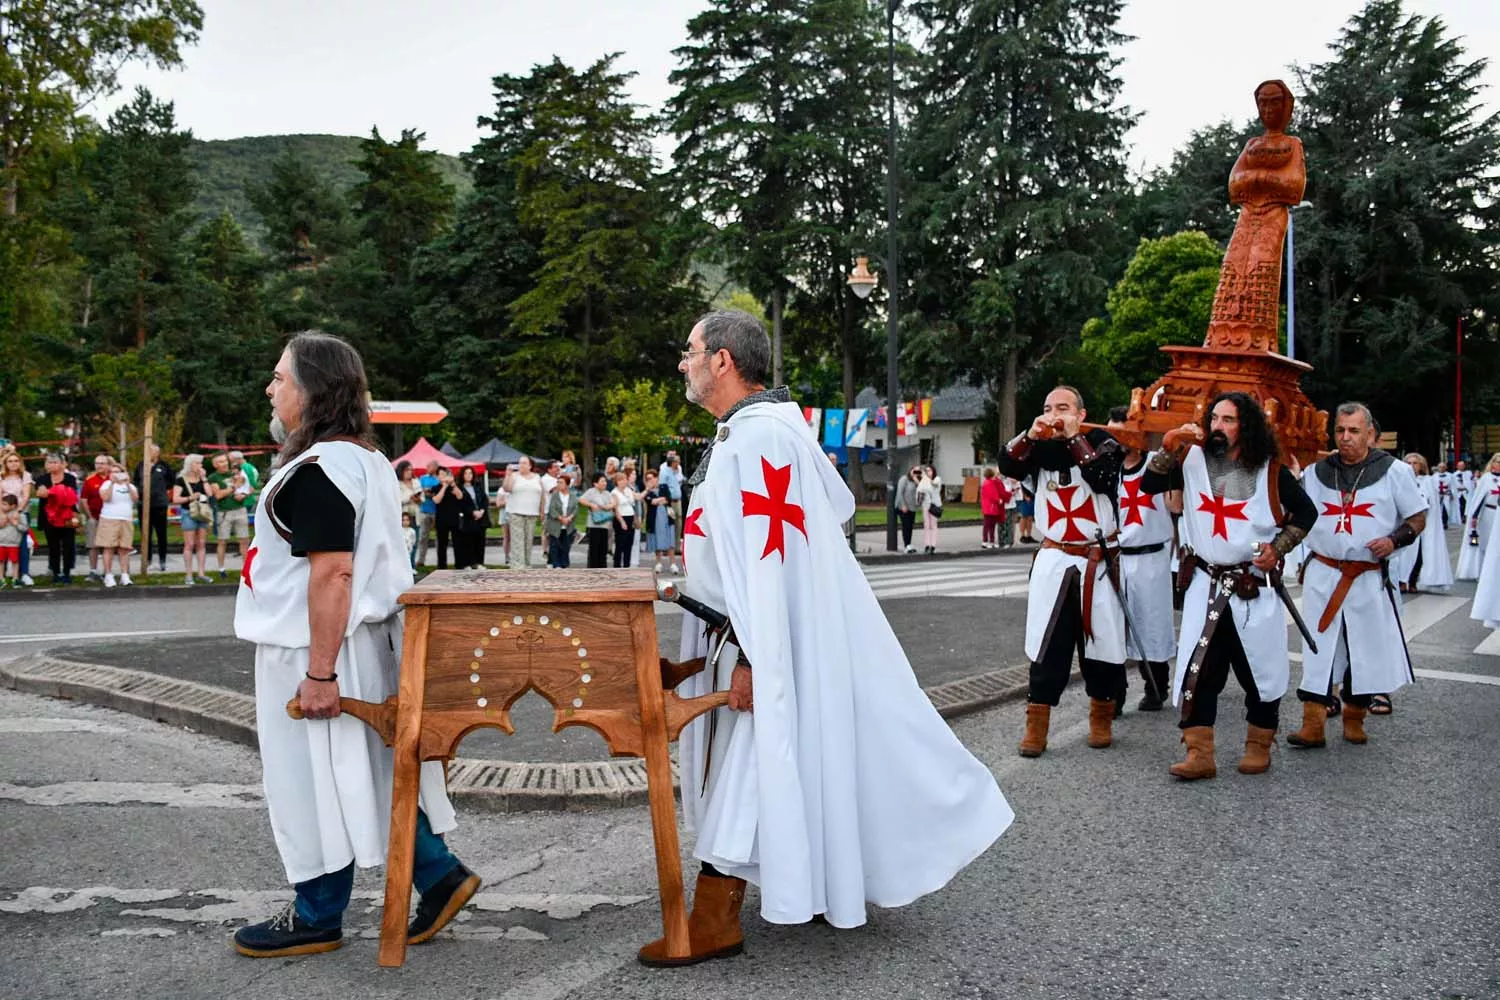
(1335, 707)
(1380, 704)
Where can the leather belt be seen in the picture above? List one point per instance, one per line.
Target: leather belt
(1225, 581)
(1349, 570)
(1140, 550)
(1094, 553)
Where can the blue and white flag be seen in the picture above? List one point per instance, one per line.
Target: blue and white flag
(854, 428)
(833, 428)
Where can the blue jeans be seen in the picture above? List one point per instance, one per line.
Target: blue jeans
(321, 901)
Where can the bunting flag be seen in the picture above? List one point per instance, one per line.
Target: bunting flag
(901, 427)
(814, 417)
(833, 428)
(854, 428)
(879, 416)
(924, 411)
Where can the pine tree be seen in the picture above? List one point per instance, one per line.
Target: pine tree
(1404, 235)
(610, 299)
(1015, 159)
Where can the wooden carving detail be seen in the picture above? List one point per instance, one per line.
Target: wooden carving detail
(1240, 350)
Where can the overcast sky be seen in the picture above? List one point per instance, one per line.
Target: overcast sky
(267, 67)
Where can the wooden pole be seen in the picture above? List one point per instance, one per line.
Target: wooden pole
(145, 546)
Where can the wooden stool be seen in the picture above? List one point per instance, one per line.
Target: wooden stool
(585, 640)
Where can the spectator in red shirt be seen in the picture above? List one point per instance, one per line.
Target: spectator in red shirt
(993, 496)
(59, 489)
(93, 504)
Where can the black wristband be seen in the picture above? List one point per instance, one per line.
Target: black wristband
(1404, 535)
(330, 677)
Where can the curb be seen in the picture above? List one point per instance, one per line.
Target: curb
(136, 591)
(891, 558)
(491, 785)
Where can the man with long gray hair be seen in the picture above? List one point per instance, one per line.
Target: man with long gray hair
(318, 596)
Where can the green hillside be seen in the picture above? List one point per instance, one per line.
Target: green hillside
(227, 167)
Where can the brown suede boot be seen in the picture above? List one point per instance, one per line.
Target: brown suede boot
(1101, 715)
(713, 926)
(1200, 755)
(1034, 739)
(1354, 724)
(1257, 758)
(1314, 722)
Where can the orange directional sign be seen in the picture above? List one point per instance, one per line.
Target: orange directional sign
(406, 412)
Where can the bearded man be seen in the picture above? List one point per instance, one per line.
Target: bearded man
(1243, 511)
(318, 596)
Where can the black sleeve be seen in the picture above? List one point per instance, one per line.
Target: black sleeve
(1300, 510)
(1103, 473)
(1014, 469)
(319, 516)
(1161, 482)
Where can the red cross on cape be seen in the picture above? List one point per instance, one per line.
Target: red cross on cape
(1069, 513)
(245, 569)
(1134, 501)
(1346, 512)
(1223, 512)
(773, 504)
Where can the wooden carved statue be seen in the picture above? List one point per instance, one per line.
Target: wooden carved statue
(1267, 179)
(1240, 351)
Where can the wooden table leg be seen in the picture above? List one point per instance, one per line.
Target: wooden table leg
(405, 789)
(659, 782)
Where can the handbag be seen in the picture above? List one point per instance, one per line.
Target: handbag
(199, 510)
(935, 509)
(600, 518)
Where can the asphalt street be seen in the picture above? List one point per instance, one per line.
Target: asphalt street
(1369, 872)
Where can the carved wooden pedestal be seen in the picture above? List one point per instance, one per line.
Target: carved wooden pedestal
(585, 640)
(1198, 374)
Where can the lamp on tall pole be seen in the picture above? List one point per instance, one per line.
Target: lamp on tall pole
(892, 347)
(1291, 277)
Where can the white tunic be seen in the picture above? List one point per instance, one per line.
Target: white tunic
(1435, 570)
(1480, 524)
(1072, 513)
(1146, 577)
(844, 786)
(1486, 606)
(328, 781)
(1222, 532)
(1366, 632)
(1448, 493)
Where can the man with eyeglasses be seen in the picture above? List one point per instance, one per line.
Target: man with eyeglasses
(824, 798)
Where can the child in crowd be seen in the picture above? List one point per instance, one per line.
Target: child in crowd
(409, 533)
(12, 537)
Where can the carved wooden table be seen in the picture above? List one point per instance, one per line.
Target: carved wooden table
(476, 641)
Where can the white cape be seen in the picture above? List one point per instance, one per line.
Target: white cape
(844, 786)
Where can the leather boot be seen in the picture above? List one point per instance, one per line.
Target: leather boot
(1354, 724)
(1161, 676)
(1314, 722)
(1101, 715)
(1257, 758)
(713, 926)
(1200, 755)
(1034, 739)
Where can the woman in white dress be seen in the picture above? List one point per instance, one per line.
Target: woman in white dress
(1425, 565)
(1479, 521)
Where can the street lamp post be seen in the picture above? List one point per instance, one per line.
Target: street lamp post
(892, 385)
(1291, 278)
(861, 283)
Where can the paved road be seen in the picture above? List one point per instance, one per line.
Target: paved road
(133, 849)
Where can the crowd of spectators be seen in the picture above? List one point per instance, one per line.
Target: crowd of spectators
(60, 510)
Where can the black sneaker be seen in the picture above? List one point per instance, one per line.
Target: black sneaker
(441, 903)
(285, 934)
